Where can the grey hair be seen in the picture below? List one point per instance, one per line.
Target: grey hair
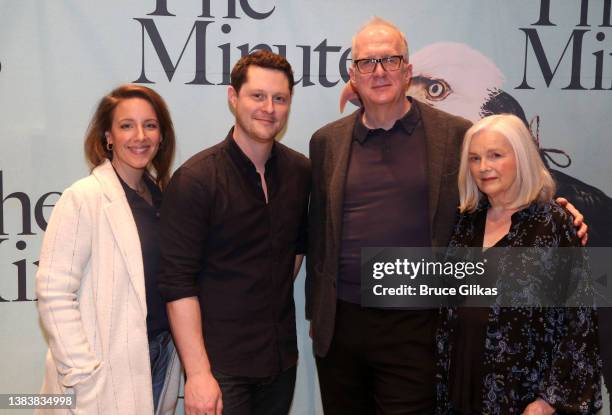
(533, 181)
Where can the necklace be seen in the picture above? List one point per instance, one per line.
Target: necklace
(140, 192)
(142, 186)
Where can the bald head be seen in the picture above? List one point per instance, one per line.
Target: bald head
(374, 28)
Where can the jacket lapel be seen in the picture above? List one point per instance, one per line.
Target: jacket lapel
(436, 137)
(340, 152)
(123, 228)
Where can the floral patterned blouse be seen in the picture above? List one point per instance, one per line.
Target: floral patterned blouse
(529, 352)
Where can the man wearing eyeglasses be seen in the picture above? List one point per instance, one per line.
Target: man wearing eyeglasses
(383, 176)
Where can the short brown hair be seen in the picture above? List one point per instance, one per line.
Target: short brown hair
(102, 120)
(263, 59)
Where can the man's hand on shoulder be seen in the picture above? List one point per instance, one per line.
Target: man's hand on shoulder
(203, 395)
(582, 229)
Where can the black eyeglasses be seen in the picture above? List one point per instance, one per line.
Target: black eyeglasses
(389, 63)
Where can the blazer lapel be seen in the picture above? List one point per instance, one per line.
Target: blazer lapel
(436, 137)
(123, 228)
(340, 152)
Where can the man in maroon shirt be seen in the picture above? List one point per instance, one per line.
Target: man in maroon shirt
(384, 176)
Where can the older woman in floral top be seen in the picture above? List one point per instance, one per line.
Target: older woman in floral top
(510, 358)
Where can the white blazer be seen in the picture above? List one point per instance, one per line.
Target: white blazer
(92, 303)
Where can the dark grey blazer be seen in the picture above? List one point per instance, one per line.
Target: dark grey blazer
(329, 152)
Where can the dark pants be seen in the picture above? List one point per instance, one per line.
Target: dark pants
(244, 395)
(379, 362)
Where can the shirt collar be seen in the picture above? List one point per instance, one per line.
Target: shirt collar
(131, 195)
(408, 123)
(238, 155)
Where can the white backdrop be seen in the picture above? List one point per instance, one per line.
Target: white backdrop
(550, 59)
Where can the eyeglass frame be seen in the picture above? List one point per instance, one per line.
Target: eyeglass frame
(380, 61)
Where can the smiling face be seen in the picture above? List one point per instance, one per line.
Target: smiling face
(261, 106)
(135, 136)
(492, 164)
(380, 88)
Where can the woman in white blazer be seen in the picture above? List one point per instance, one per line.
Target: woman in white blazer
(96, 285)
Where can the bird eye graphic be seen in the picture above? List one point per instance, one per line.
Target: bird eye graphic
(438, 89)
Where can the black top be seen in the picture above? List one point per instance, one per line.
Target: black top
(147, 223)
(467, 370)
(385, 196)
(222, 243)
